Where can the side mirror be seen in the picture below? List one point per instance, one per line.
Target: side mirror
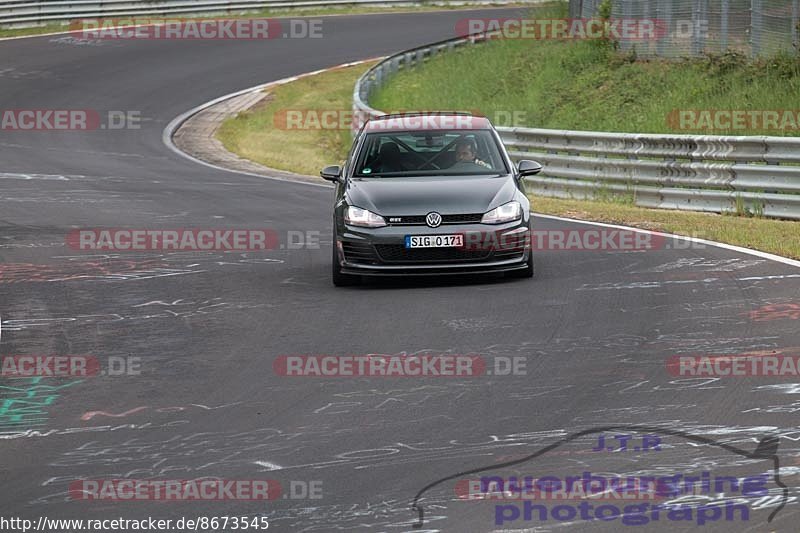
(526, 167)
(331, 173)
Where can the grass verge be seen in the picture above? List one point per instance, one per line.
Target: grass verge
(588, 85)
(252, 135)
(259, 135)
(780, 237)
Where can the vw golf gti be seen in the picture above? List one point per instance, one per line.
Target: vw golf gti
(427, 194)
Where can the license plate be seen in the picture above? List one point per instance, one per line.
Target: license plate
(434, 241)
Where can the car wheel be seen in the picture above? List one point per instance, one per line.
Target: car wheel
(339, 279)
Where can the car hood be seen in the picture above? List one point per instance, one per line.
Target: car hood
(448, 195)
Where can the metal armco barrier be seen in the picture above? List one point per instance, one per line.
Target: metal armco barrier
(22, 13)
(697, 173)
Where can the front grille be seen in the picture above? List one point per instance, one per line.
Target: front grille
(419, 220)
(462, 219)
(501, 255)
(510, 246)
(398, 253)
(359, 252)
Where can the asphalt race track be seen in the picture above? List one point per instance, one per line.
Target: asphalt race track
(594, 328)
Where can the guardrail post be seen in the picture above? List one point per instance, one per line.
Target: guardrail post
(664, 15)
(365, 90)
(699, 27)
(588, 8)
(575, 8)
(723, 25)
(755, 28)
(627, 11)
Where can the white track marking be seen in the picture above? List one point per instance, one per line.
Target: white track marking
(763, 255)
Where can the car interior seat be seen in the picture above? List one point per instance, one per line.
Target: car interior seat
(390, 158)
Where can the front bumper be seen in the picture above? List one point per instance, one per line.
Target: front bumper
(487, 248)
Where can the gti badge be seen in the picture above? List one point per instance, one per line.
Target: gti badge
(433, 219)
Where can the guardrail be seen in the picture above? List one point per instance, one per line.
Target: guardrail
(23, 13)
(698, 173)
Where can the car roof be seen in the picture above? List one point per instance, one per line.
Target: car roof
(427, 122)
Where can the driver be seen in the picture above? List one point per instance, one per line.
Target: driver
(466, 153)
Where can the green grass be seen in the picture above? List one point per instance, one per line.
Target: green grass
(34, 30)
(257, 135)
(345, 9)
(780, 237)
(585, 85)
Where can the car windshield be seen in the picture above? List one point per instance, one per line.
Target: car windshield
(429, 153)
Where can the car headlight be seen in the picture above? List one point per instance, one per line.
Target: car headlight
(355, 216)
(504, 213)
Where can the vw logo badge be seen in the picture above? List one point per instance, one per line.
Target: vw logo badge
(433, 219)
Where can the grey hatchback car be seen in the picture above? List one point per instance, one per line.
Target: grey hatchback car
(427, 194)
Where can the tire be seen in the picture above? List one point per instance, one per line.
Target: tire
(339, 279)
(527, 272)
